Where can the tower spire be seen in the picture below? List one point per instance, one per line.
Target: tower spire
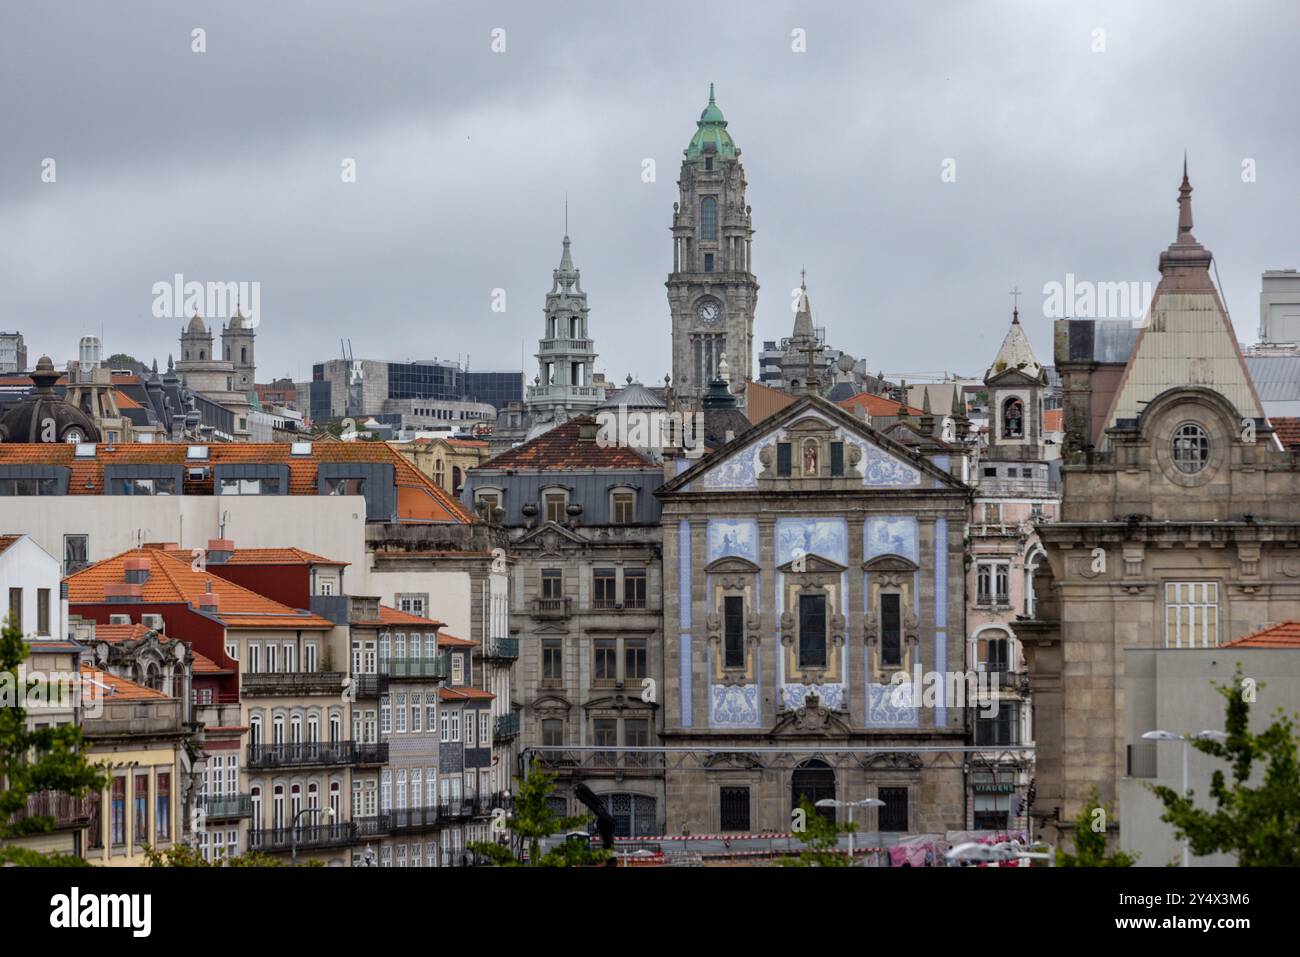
(1185, 207)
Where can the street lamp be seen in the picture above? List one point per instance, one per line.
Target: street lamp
(293, 825)
(865, 802)
(1198, 736)
(368, 858)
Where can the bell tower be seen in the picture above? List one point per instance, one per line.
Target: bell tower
(712, 291)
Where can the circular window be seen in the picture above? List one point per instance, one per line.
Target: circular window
(1191, 448)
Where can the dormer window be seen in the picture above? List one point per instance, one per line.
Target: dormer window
(622, 506)
(554, 503)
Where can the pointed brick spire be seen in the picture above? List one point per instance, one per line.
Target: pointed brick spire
(1186, 262)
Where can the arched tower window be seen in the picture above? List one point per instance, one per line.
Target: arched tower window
(202, 355)
(1013, 418)
(243, 355)
(709, 218)
(227, 353)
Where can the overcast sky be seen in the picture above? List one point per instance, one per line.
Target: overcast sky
(225, 166)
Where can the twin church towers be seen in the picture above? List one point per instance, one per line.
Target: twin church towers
(712, 292)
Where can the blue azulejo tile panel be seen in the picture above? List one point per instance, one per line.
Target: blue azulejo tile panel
(684, 575)
(684, 665)
(891, 535)
(827, 537)
(892, 706)
(941, 666)
(882, 470)
(733, 706)
(941, 573)
(832, 695)
(733, 538)
(739, 471)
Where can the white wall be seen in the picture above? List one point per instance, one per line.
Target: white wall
(448, 591)
(25, 565)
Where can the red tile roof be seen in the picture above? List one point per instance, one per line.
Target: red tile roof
(114, 688)
(1287, 429)
(465, 693)
(874, 405)
(124, 401)
(278, 556)
(391, 616)
(1053, 420)
(6, 541)
(561, 448)
(1285, 634)
(762, 402)
(128, 632)
(173, 579)
(451, 641)
(419, 498)
(203, 665)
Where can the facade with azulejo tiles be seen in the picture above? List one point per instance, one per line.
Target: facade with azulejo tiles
(811, 560)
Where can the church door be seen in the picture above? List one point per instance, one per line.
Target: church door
(814, 780)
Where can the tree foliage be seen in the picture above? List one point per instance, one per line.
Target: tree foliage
(821, 839)
(182, 856)
(1260, 823)
(31, 761)
(1090, 843)
(532, 818)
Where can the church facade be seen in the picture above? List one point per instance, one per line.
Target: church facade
(807, 563)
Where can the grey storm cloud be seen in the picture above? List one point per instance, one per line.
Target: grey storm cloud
(225, 166)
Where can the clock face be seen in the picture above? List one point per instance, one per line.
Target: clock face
(708, 311)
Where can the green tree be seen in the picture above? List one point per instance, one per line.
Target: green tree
(120, 360)
(531, 819)
(821, 839)
(1090, 841)
(31, 761)
(1260, 824)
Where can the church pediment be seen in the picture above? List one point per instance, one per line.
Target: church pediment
(750, 462)
(550, 538)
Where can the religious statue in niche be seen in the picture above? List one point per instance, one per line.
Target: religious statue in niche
(810, 457)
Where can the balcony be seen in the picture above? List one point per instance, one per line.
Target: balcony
(417, 818)
(564, 346)
(372, 753)
(501, 649)
(227, 806)
(292, 683)
(305, 836)
(379, 825)
(371, 685)
(66, 811)
(552, 607)
(304, 754)
(436, 667)
(506, 725)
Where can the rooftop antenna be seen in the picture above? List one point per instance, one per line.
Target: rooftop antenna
(566, 212)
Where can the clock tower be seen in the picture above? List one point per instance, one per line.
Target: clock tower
(712, 291)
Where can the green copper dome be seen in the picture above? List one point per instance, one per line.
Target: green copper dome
(712, 129)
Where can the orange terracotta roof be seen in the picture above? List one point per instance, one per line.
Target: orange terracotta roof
(561, 449)
(1053, 420)
(451, 641)
(465, 693)
(278, 556)
(203, 665)
(762, 402)
(392, 616)
(124, 401)
(1285, 634)
(419, 498)
(874, 405)
(468, 443)
(1287, 429)
(173, 579)
(114, 688)
(6, 541)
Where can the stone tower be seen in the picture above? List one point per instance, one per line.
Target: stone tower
(805, 366)
(712, 291)
(196, 341)
(565, 353)
(1016, 382)
(237, 343)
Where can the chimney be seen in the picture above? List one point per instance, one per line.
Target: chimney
(137, 569)
(120, 593)
(220, 551)
(209, 601)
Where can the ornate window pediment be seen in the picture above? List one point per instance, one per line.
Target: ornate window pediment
(731, 565)
(811, 565)
(890, 563)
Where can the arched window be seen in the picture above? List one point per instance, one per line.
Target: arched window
(456, 480)
(1191, 448)
(202, 354)
(709, 218)
(1013, 418)
(243, 355)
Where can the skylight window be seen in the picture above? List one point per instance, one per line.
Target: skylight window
(197, 453)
